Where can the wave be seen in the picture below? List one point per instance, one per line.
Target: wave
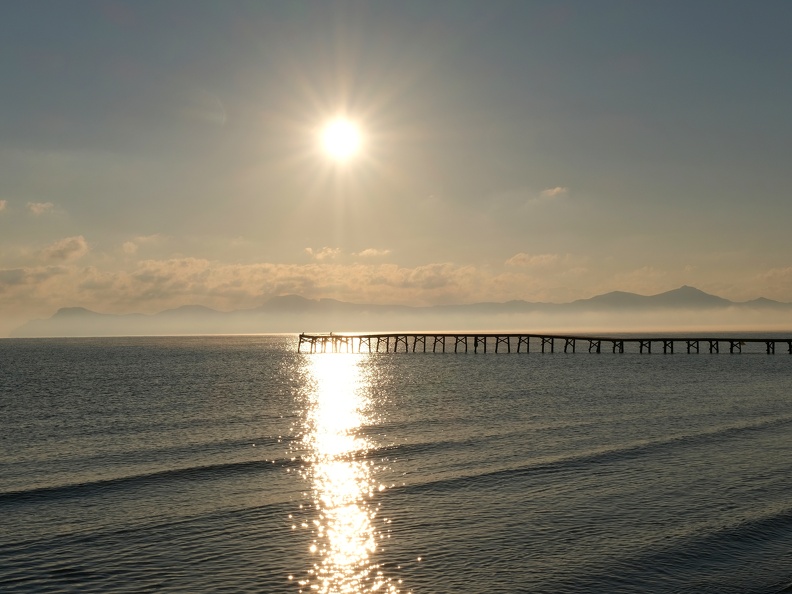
(394, 452)
(695, 557)
(142, 479)
(202, 525)
(579, 459)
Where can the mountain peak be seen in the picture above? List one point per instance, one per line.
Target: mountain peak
(65, 312)
(689, 296)
(685, 290)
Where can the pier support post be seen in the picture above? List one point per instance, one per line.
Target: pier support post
(770, 347)
(668, 346)
(692, 344)
(569, 342)
(618, 346)
(714, 346)
(397, 340)
(503, 340)
(421, 339)
(461, 340)
(645, 344)
(526, 340)
(595, 346)
(735, 345)
(441, 340)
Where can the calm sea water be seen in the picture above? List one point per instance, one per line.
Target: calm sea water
(235, 464)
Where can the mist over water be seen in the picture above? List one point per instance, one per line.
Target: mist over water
(237, 464)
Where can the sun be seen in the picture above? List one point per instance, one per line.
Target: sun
(341, 139)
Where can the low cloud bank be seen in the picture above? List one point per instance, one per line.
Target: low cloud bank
(60, 278)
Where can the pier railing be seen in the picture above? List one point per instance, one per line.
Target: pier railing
(448, 342)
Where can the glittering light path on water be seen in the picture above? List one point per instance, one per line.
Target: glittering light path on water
(343, 486)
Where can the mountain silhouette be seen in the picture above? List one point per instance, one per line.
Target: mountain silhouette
(684, 296)
(294, 313)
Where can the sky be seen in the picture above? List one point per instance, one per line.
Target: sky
(161, 153)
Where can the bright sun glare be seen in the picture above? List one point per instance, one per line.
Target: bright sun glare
(341, 139)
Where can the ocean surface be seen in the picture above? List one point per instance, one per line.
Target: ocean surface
(235, 464)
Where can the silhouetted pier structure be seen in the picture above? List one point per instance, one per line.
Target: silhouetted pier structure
(463, 342)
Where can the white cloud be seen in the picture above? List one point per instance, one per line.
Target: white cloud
(131, 247)
(556, 192)
(525, 196)
(326, 253)
(71, 248)
(536, 261)
(40, 208)
(373, 253)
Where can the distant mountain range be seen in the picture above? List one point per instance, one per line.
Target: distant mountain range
(292, 313)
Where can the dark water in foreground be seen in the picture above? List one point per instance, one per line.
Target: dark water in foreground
(233, 464)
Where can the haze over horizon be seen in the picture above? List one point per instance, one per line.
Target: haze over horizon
(158, 154)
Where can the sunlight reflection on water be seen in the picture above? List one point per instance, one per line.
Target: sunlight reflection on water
(345, 536)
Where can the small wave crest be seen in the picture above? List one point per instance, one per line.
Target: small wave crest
(145, 479)
(578, 459)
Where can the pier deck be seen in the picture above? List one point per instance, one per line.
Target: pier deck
(463, 342)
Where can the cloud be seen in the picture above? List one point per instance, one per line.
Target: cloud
(40, 208)
(326, 253)
(71, 248)
(646, 280)
(526, 197)
(537, 261)
(373, 253)
(3, 204)
(778, 282)
(131, 247)
(778, 274)
(31, 277)
(153, 285)
(432, 276)
(556, 192)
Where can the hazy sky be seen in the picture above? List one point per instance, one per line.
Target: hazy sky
(154, 154)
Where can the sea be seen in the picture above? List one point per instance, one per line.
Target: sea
(236, 464)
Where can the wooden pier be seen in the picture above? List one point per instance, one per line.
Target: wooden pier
(455, 342)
